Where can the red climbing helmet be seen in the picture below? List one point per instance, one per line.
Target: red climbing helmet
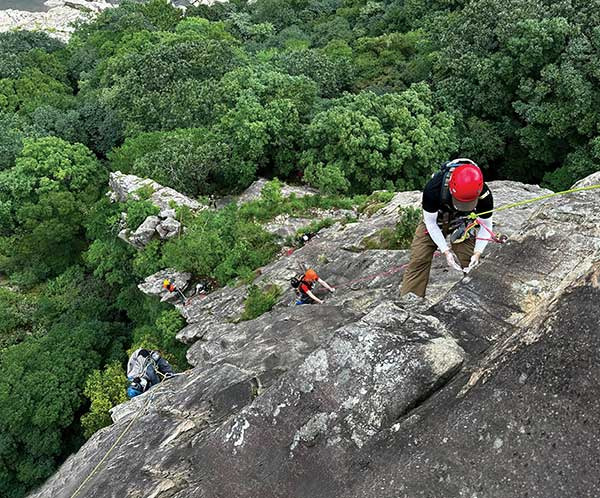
(466, 184)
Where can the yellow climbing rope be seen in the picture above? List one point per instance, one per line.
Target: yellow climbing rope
(114, 445)
(535, 199)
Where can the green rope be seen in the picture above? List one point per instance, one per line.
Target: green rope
(535, 199)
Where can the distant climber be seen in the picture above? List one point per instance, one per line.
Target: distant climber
(453, 193)
(212, 201)
(205, 286)
(170, 286)
(145, 369)
(303, 239)
(304, 284)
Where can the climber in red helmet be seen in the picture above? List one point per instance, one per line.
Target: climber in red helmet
(448, 198)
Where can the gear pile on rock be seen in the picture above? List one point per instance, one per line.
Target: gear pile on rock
(489, 388)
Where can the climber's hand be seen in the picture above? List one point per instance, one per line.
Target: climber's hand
(474, 262)
(451, 259)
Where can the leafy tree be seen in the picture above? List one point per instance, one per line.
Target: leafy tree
(89, 122)
(257, 138)
(391, 62)
(182, 159)
(332, 75)
(15, 49)
(46, 197)
(13, 129)
(218, 11)
(76, 294)
(526, 75)
(260, 128)
(17, 312)
(163, 87)
(203, 28)
(41, 391)
(241, 25)
(368, 142)
(32, 89)
(161, 13)
(104, 389)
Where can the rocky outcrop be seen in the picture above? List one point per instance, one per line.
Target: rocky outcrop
(488, 388)
(60, 17)
(285, 226)
(165, 225)
(254, 191)
(58, 21)
(153, 285)
(124, 187)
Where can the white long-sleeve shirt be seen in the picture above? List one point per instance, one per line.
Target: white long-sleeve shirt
(438, 238)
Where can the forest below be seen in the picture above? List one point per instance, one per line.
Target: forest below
(347, 96)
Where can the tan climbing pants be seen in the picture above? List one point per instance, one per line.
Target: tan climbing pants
(416, 275)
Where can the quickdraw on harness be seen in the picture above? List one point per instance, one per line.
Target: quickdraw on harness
(466, 230)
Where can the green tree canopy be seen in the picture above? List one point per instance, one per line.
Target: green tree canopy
(44, 199)
(367, 142)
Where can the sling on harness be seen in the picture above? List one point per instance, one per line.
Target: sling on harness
(466, 231)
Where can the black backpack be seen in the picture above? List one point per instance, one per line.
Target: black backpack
(297, 280)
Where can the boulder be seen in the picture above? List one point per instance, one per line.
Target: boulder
(124, 187)
(254, 191)
(144, 233)
(165, 226)
(168, 228)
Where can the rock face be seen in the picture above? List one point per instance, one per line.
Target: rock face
(253, 192)
(57, 21)
(124, 187)
(489, 388)
(164, 226)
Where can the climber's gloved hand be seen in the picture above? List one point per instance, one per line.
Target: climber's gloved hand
(474, 262)
(451, 259)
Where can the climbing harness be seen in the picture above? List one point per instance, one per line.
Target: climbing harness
(465, 231)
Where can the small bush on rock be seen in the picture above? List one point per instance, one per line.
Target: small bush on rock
(260, 300)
